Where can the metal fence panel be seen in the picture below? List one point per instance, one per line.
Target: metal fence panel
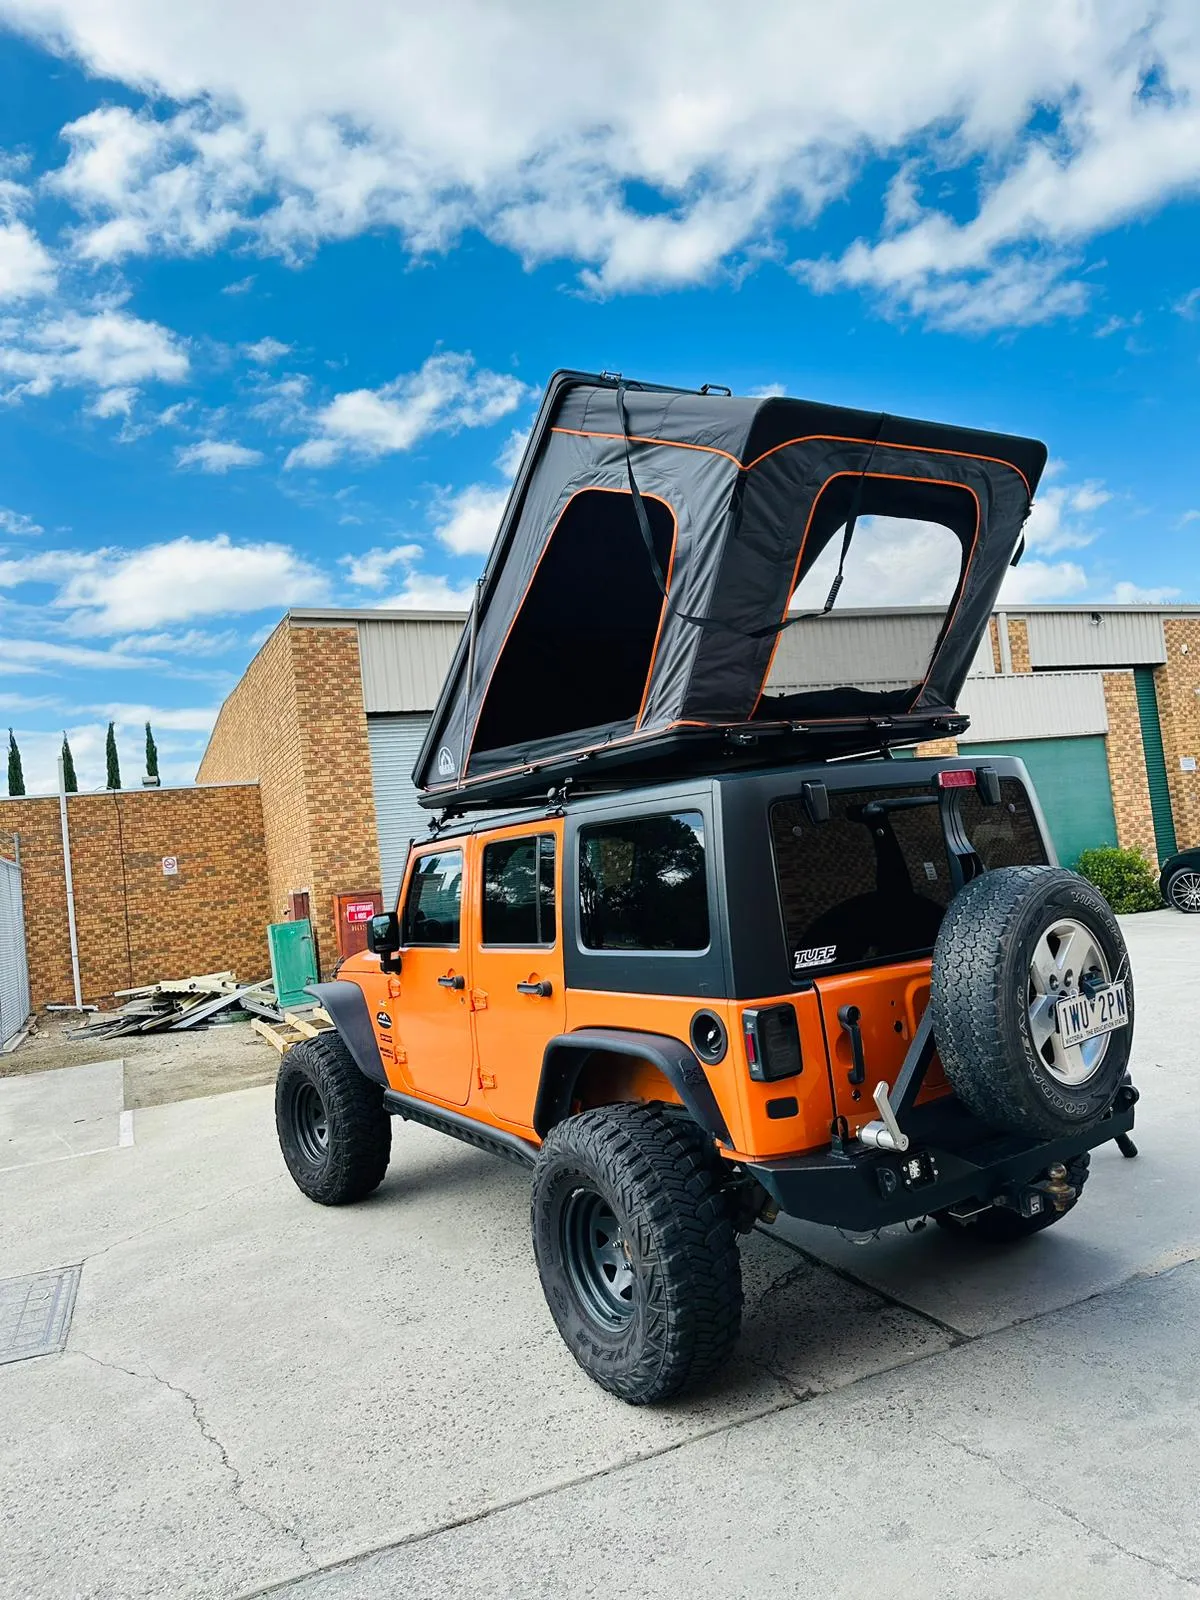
(14, 964)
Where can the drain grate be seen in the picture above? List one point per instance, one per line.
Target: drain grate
(35, 1313)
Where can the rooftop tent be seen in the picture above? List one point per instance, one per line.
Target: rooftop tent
(640, 589)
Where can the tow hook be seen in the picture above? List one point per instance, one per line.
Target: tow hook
(1031, 1200)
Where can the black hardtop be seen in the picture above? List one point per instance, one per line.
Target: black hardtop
(749, 786)
(644, 566)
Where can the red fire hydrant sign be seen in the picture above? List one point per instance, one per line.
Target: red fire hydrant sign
(359, 910)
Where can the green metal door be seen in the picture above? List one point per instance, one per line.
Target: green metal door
(1156, 764)
(1071, 779)
(293, 961)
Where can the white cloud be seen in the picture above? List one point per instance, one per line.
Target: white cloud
(40, 655)
(424, 593)
(242, 285)
(217, 455)
(467, 521)
(265, 351)
(128, 591)
(1137, 594)
(26, 267)
(1188, 516)
(18, 524)
(370, 569)
(767, 391)
(113, 403)
(280, 137)
(107, 349)
(509, 458)
(1189, 306)
(1043, 580)
(445, 394)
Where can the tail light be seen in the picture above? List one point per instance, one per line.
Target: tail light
(772, 1037)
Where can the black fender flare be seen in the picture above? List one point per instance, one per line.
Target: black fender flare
(567, 1054)
(347, 1008)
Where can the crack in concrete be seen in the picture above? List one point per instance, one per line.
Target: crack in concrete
(1031, 1493)
(238, 1483)
(182, 1216)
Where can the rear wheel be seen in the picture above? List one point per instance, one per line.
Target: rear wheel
(637, 1250)
(1002, 1225)
(334, 1131)
(1014, 943)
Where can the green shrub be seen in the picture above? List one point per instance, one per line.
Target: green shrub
(1124, 877)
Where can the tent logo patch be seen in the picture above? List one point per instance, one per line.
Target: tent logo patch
(445, 764)
(818, 956)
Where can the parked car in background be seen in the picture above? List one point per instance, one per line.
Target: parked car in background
(1180, 880)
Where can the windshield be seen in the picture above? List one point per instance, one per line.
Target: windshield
(866, 887)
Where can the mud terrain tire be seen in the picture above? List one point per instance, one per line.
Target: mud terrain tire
(334, 1131)
(637, 1250)
(982, 994)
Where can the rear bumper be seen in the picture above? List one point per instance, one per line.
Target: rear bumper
(959, 1159)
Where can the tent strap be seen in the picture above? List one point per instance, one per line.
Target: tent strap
(643, 522)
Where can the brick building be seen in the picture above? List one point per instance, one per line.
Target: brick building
(1101, 702)
(135, 922)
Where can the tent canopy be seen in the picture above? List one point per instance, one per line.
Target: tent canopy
(645, 564)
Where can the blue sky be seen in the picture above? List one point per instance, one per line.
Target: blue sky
(276, 302)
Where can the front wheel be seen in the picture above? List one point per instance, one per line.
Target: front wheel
(636, 1249)
(334, 1130)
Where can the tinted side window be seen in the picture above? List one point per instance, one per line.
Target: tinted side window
(518, 891)
(432, 910)
(642, 884)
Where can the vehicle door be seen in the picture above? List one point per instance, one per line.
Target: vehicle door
(432, 1012)
(516, 967)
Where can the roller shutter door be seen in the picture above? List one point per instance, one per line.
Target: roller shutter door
(1156, 764)
(1071, 779)
(395, 743)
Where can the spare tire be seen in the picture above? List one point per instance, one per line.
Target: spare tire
(1011, 944)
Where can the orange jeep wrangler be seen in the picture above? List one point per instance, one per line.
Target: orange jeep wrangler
(728, 956)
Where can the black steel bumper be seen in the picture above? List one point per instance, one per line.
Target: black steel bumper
(951, 1158)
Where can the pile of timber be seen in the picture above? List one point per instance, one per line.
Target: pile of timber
(177, 1004)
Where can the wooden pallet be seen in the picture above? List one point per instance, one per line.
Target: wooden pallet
(294, 1028)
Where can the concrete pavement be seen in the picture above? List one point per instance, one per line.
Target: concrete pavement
(256, 1392)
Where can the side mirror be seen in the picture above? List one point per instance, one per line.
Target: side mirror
(383, 939)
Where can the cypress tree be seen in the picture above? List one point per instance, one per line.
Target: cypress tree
(112, 765)
(70, 781)
(16, 774)
(151, 754)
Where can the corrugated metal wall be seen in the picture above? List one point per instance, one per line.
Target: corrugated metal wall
(404, 662)
(14, 965)
(1072, 639)
(1035, 705)
(880, 648)
(395, 742)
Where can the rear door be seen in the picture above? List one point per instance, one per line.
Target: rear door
(432, 1018)
(516, 966)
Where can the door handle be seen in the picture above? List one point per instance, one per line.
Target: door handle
(850, 1017)
(452, 983)
(545, 988)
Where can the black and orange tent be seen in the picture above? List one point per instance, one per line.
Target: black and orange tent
(643, 571)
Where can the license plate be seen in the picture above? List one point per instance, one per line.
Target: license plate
(1080, 1017)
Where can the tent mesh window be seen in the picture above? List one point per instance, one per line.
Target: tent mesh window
(910, 553)
(593, 602)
